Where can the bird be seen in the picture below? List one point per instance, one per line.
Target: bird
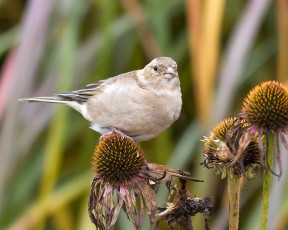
(140, 104)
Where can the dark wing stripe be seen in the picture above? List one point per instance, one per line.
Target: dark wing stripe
(83, 93)
(86, 91)
(92, 86)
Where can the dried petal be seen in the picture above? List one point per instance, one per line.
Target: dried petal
(278, 156)
(243, 144)
(150, 199)
(283, 140)
(116, 213)
(157, 170)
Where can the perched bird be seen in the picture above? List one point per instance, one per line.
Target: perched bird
(141, 104)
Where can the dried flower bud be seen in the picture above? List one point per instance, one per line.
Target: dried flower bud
(220, 151)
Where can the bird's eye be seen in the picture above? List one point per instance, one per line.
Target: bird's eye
(155, 68)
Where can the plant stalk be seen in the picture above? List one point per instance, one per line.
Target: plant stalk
(267, 183)
(234, 197)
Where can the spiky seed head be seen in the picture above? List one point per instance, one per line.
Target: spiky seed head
(266, 106)
(117, 159)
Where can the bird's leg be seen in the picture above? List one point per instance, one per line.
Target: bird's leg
(117, 131)
(121, 133)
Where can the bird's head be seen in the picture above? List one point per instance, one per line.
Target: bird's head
(161, 71)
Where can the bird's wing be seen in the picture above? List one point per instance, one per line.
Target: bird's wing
(84, 93)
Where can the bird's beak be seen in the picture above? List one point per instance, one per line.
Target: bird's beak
(169, 73)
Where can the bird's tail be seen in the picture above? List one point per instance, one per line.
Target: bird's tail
(46, 99)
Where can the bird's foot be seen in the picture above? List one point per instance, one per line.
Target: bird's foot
(114, 130)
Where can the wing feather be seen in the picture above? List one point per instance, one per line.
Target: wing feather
(84, 93)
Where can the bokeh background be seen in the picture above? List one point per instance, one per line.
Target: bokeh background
(223, 49)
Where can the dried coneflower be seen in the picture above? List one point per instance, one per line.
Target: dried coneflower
(118, 166)
(219, 151)
(265, 111)
(123, 180)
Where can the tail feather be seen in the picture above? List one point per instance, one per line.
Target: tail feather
(45, 99)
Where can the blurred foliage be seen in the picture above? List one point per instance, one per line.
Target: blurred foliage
(223, 49)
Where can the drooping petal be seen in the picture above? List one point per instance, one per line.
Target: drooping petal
(135, 215)
(140, 216)
(164, 173)
(122, 193)
(116, 213)
(108, 189)
(150, 199)
(128, 196)
(108, 207)
(278, 154)
(283, 139)
(95, 204)
(92, 202)
(243, 144)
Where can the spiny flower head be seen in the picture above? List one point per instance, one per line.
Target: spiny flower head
(219, 152)
(117, 159)
(266, 106)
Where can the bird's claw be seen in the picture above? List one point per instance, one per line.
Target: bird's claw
(114, 130)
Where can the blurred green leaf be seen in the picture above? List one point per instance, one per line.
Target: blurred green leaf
(8, 40)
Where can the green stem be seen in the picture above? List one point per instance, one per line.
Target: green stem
(234, 196)
(267, 183)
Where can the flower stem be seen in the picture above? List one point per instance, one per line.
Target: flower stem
(267, 184)
(234, 196)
